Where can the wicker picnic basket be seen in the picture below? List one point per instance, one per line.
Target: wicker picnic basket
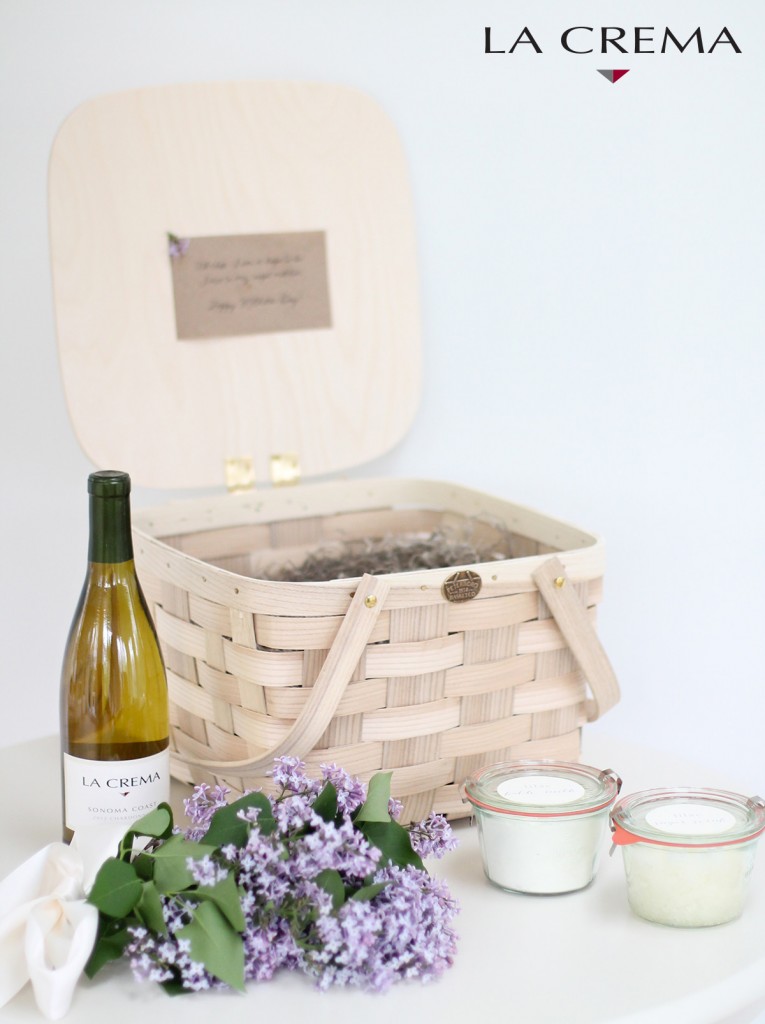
(426, 674)
(379, 673)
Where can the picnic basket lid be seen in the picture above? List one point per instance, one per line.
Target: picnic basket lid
(300, 272)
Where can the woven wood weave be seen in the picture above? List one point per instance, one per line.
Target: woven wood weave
(377, 674)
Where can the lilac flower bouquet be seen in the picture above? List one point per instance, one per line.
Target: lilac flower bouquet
(320, 878)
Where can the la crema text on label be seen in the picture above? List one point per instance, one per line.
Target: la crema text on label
(130, 783)
(614, 39)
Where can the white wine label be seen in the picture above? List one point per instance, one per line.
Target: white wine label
(111, 792)
(691, 819)
(542, 790)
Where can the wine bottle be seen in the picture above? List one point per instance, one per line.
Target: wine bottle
(114, 707)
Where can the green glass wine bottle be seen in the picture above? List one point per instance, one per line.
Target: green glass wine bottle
(114, 706)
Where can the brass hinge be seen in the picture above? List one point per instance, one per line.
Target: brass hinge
(285, 469)
(240, 474)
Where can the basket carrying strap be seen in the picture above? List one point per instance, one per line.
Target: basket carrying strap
(571, 618)
(324, 696)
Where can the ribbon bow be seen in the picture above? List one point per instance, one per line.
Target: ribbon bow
(47, 929)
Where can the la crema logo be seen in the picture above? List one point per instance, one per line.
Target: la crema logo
(613, 40)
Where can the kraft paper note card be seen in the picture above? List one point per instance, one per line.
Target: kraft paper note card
(232, 285)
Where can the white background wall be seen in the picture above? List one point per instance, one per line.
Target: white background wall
(592, 267)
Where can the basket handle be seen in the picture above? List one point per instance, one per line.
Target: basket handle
(571, 618)
(324, 696)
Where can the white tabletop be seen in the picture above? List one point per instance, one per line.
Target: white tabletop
(582, 958)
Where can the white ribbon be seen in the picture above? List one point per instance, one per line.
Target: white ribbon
(47, 930)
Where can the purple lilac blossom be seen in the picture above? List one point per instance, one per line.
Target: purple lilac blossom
(205, 871)
(289, 773)
(201, 806)
(351, 792)
(334, 848)
(395, 808)
(405, 932)
(294, 813)
(165, 960)
(268, 947)
(291, 922)
(177, 246)
(432, 837)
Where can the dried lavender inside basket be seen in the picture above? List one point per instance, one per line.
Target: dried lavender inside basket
(394, 553)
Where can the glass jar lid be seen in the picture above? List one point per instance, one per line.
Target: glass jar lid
(687, 817)
(541, 789)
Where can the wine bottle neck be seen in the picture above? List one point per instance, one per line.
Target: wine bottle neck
(110, 537)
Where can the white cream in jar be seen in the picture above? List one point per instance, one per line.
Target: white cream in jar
(542, 824)
(688, 853)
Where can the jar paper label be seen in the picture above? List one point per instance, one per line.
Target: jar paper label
(691, 819)
(114, 792)
(542, 790)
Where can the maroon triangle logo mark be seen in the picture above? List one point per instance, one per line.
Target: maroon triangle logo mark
(613, 74)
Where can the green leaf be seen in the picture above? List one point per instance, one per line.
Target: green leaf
(170, 871)
(325, 803)
(144, 866)
(116, 889)
(216, 944)
(157, 824)
(393, 842)
(368, 892)
(226, 827)
(109, 946)
(332, 883)
(149, 909)
(225, 896)
(375, 807)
